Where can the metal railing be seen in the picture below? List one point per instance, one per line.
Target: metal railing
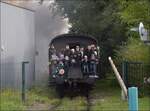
(134, 74)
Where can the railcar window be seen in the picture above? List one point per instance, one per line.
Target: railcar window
(73, 45)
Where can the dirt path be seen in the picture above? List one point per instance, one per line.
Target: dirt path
(43, 107)
(39, 107)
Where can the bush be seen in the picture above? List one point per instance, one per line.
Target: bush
(135, 50)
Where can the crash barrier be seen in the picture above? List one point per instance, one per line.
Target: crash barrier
(133, 98)
(23, 80)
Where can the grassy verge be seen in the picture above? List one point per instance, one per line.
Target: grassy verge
(75, 104)
(106, 96)
(10, 100)
(36, 99)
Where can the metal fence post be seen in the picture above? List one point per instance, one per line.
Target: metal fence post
(133, 98)
(125, 72)
(124, 77)
(23, 80)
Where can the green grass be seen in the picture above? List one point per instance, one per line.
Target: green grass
(75, 104)
(106, 96)
(41, 95)
(10, 100)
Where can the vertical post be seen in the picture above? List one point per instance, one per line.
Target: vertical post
(125, 72)
(133, 99)
(124, 77)
(23, 81)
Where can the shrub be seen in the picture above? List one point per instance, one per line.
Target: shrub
(135, 50)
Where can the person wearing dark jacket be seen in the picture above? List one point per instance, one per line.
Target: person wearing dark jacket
(82, 52)
(92, 64)
(66, 64)
(78, 53)
(67, 51)
(88, 52)
(73, 57)
(85, 65)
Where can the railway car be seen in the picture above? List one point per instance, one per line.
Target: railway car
(70, 77)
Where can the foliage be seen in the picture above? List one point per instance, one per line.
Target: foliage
(135, 50)
(132, 12)
(135, 11)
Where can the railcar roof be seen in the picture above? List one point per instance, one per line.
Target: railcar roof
(67, 36)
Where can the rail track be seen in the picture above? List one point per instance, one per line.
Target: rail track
(84, 93)
(89, 103)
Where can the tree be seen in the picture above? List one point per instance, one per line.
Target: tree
(132, 12)
(98, 18)
(135, 11)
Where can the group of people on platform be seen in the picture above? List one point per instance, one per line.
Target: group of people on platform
(84, 57)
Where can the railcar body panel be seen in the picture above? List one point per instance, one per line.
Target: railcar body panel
(75, 73)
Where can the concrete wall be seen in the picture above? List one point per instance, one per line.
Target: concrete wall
(17, 45)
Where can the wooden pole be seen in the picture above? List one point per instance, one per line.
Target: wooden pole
(121, 83)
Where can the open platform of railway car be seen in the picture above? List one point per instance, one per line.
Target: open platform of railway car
(79, 71)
